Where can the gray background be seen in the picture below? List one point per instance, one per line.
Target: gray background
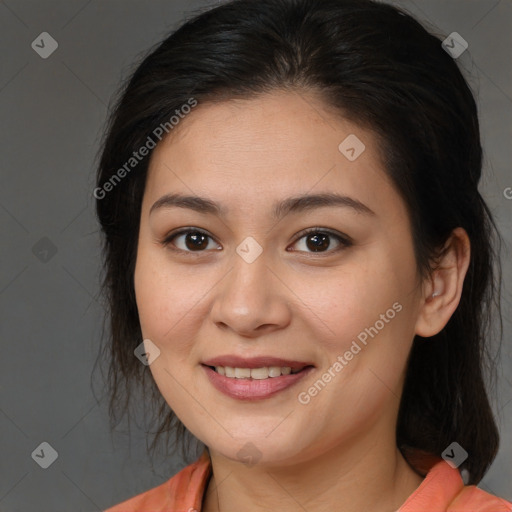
(52, 113)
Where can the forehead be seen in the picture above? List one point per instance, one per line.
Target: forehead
(286, 123)
(283, 143)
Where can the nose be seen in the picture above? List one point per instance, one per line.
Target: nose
(252, 299)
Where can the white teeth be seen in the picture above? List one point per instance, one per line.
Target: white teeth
(259, 373)
(255, 373)
(242, 373)
(275, 371)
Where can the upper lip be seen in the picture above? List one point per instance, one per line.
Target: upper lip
(254, 362)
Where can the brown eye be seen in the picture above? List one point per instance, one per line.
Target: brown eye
(191, 240)
(316, 241)
(319, 241)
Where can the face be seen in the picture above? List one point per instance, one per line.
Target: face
(330, 287)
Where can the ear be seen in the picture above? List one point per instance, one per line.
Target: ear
(443, 289)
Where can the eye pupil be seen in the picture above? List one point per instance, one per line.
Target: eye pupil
(194, 237)
(319, 241)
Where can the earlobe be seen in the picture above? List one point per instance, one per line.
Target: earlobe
(442, 292)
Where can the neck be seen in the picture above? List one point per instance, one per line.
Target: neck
(358, 475)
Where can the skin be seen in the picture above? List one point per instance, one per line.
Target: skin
(338, 452)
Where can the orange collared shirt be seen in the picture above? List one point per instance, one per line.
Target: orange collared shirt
(442, 490)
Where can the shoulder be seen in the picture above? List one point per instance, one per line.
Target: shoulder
(473, 499)
(443, 490)
(156, 499)
(183, 491)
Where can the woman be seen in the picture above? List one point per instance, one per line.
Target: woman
(296, 249)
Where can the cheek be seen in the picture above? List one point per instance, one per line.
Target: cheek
(343, 303)
(163, 298)
(151, 296)
(172, 303)
(365, 315)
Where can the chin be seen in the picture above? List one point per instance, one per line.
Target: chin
(258, 448)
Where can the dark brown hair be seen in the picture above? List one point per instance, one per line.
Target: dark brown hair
(378, 67)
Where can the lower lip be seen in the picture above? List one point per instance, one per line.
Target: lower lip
(254, 389)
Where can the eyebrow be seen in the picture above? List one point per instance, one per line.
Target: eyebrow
(280, 209)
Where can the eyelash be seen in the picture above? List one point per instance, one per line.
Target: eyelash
(344, 240)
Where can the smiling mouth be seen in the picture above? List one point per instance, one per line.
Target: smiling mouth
(265, 372)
